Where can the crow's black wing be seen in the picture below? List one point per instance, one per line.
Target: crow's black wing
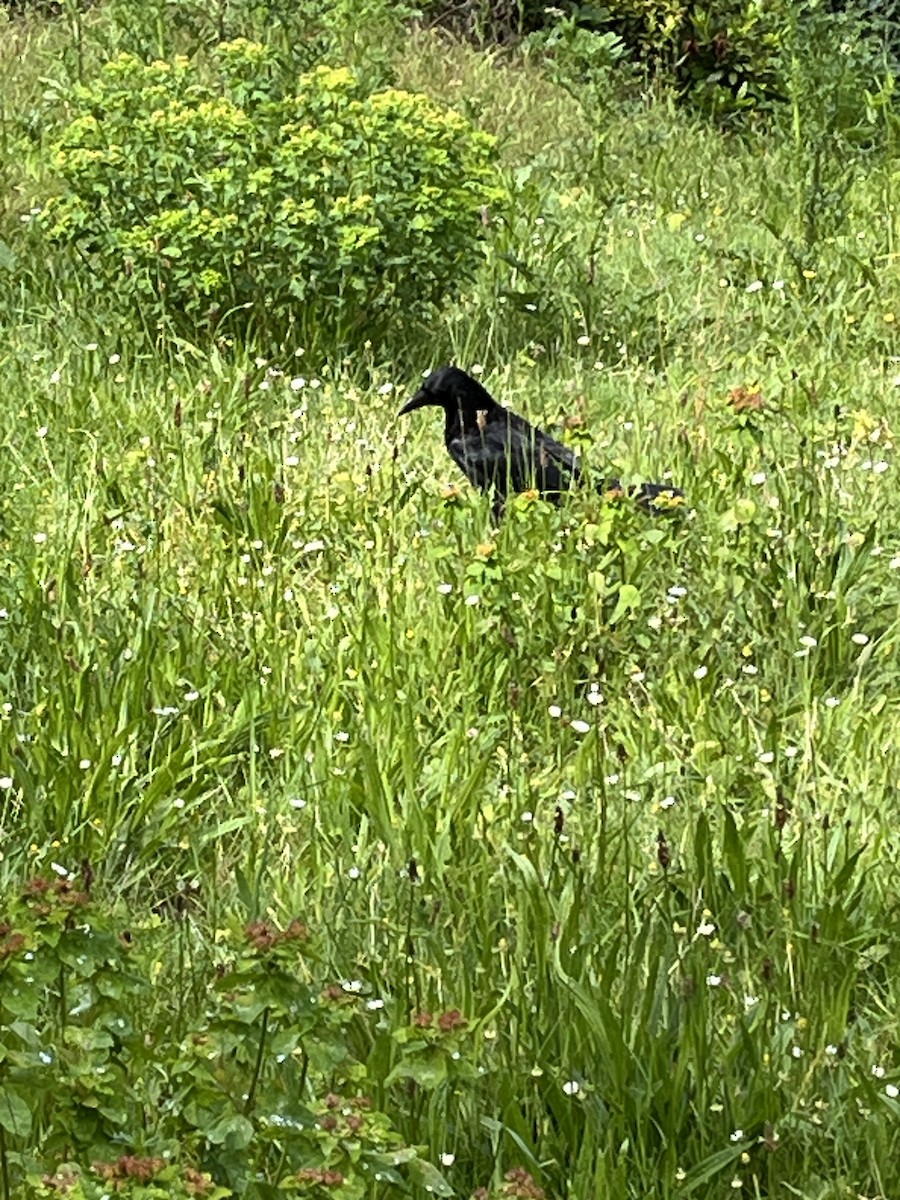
(483, 455)
(509, 455)
(554, 468)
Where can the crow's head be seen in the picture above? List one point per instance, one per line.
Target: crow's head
(452, 390)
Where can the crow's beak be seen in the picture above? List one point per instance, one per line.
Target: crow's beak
(419, 400)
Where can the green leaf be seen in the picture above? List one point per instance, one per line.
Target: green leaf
(628, 600)
(429, 1178)
(15, 1114)
(233, 1131)
(708, 1169)
(734, 854)
(741, 513)
(428, 1069)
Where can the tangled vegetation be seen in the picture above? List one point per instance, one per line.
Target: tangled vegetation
(353, 844)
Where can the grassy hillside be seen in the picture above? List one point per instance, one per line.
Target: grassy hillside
(567, 844)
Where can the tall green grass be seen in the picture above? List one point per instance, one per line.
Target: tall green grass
(619, 789)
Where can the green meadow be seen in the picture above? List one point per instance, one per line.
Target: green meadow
(353, 845)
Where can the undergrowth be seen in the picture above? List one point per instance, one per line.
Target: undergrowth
(355, 846)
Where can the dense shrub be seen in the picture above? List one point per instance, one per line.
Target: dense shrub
(723, 58)
(315, 201)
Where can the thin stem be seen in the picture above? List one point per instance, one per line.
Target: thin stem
(257, 1068)
(4, 1166)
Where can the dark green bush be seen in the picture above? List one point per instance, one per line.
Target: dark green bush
(723, 58)
(315, 204)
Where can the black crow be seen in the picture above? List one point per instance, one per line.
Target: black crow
(500, 452)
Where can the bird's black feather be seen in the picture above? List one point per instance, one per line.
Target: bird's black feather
(499, 451)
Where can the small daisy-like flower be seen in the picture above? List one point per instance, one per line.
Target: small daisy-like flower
(758, 478)
(706, 929)
(891, 1089)
(445, 588)
(755, 286)
(584, 340)
(878, 1072)
(701, 672)
(85, 764)
(554, 710)
(581, 726)
(595, 696)
(342, 736)
(738, 1135)
(796, 1051)
(713, 980)
(832, 701)
(114, 358)
(571, 1087)
(190, 697)
(476, 369)
(354, 873)
(527, 817)
(737, 1183)
(750, 669)
(374, 1005)
(5, 783)
(778, 285)
(297, 802)
(39, 539)
(385, 389)
(667, 802)
(298, 383)
(447, 1160)
(767, 756)
(860, 639)
(353, 986)
(471, 601)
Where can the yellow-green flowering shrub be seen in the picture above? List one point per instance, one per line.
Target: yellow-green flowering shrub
(203, 193)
